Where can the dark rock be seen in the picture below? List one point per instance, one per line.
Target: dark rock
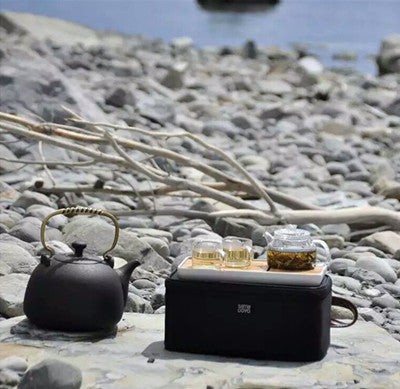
(388, 59)
(52, 374)
(235, 227)
(219, 126)
(29, 198)
(250, 50)
(158, 297)
(119, 97)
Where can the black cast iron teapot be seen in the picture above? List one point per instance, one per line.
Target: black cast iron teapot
(77, 292)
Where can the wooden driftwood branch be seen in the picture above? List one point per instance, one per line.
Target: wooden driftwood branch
(224, 190)
(362, 216)
(234, 183)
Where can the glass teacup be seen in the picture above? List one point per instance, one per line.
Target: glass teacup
(207, 253)
(238, 252)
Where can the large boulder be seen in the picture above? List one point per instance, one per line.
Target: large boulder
(31, 83)
(98, 235)
(388, 60)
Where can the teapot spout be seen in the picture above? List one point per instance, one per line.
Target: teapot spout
(124, 273)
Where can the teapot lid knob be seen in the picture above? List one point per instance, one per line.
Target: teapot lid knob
(78, 247)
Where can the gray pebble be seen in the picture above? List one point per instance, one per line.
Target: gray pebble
(157, 245)
(379, 266)
(137, 303)
(370, 314)
(15, 259)
(52, 373)
(12, 291)
(340, 265)
(14, 363)
(386, 301)
(144, 284)
(29, 198)
(28, 230)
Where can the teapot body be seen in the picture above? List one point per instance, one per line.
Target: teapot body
(77, 292)
(74, 295)
(294, 249)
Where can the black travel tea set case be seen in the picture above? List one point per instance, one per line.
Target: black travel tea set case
(252, 320)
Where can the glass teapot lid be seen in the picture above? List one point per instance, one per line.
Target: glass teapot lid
(291, 232)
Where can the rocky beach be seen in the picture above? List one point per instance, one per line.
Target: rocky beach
(326, 138)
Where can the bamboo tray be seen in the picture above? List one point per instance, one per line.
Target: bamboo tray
(256, 273)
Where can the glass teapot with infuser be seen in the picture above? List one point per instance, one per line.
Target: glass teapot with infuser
(292, 248)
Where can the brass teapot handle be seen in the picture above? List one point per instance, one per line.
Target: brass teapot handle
(72, 211)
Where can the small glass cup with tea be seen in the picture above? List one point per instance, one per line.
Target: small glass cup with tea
(238, 252)
(207, 253)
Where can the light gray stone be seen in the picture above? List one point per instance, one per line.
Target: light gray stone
(42, 211)
(213, 127)
(56, 245)
(152, 232)
(7, 166)
(174, 79)
(379, 266)
(52, 373)
(15, 259)
(333, 240)
(356, 353)
(12, 291)
(310, 65)
(7, 193)
(14, 363)
(157, 245)
(368, 276)
(29, 198)
(387, 241)
(110, 206)
(156, 108)
(386, 301)
(8, 378)
(394, 290)
(340, 265)
(28, 230)
(9, 218)
(348, 282)
(370, 314)
(136, 303)
(98, 235)
(275, 87)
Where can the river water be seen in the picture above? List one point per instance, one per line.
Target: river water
(325, 26)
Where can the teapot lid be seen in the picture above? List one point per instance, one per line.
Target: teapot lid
(78, 256)
(292, 233)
